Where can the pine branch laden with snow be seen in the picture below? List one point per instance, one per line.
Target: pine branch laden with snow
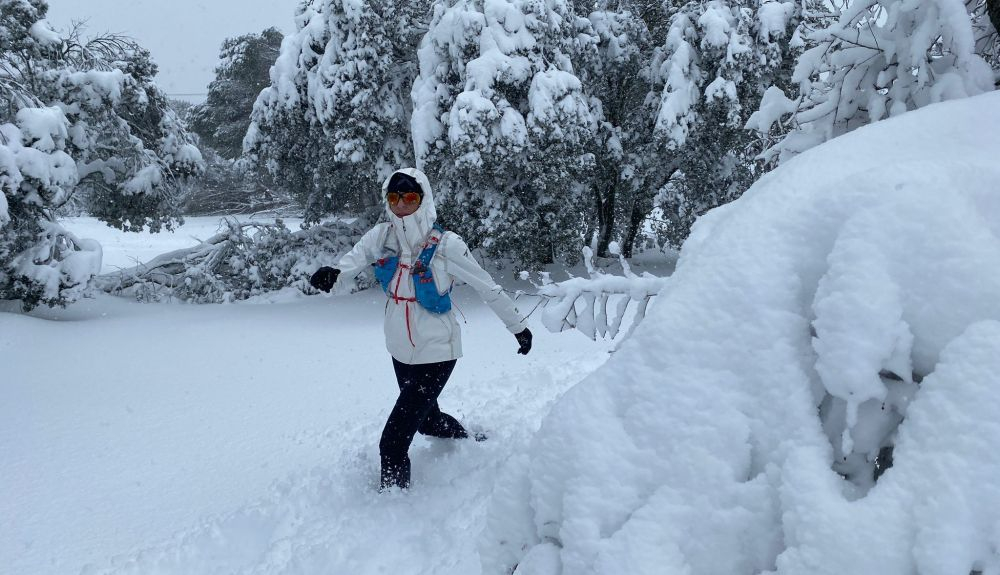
(132, 150)
(597, 306)
(241, 261)
(334, 121)
(875, 59)
(40, 262)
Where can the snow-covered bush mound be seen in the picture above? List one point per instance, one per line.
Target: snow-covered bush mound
(814, 391)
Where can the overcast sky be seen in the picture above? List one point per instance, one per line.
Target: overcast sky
(184, 36)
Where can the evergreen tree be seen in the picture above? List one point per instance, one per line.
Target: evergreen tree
(717, 60)
(502, 125)
(81, 122)
(872, 60)
(624, 182)
(222, 120)
(334, 121)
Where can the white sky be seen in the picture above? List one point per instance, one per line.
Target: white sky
(184, 36)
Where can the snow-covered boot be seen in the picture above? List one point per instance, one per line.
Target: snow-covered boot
(395, 474)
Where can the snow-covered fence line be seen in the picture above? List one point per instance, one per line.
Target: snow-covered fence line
(583, 303)
(243, 260)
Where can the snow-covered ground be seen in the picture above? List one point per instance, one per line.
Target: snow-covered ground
(844, 306)
(145, 438)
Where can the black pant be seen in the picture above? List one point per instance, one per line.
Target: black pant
(416, 410)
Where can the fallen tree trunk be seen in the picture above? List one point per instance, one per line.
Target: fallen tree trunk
(244, 260)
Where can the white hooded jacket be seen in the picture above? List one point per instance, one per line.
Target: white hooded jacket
(414, 335)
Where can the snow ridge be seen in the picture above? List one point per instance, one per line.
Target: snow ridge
(857, 282)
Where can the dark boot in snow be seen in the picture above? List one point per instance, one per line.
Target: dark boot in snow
(440, 424)
(394, 474)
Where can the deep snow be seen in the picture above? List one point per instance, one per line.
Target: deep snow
(845, 304)
(242, 438)
(172, 438)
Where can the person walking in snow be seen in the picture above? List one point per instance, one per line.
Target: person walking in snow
(417, 262)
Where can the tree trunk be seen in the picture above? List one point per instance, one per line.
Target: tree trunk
(641, 208)
(605, 220)
(993, 9)
(638, 215)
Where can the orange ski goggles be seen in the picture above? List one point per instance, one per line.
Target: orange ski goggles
(411, 198)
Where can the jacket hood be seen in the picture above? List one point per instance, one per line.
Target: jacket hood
(412, 230)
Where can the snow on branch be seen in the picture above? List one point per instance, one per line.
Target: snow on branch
(598, 305)
(244, 259)
(872, 60)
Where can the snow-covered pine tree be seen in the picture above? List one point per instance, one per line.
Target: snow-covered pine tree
(624, 183)
(133, 150)
(502, 125)
(223, 118)
(222, 122)
(81, 122)
(870, 60)
(334, 121)
(40, 262)
(717, 60)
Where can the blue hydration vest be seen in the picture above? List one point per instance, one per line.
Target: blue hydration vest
(423, 280)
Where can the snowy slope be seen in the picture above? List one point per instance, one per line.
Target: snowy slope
(714, 440)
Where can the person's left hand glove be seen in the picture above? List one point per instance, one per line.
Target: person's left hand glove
(524, 340)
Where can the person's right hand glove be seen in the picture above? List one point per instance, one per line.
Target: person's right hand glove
(324, 278)
(524, 340)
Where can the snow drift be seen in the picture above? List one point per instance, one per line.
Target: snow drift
(812, 390)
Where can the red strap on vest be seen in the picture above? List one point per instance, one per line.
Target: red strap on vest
(406, 301)
(409, 333)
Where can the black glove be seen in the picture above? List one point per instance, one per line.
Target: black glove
(324, 278)
(524, 340)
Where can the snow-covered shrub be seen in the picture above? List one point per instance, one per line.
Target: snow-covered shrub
(241, 261)
(837, 309)
(872, 60)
